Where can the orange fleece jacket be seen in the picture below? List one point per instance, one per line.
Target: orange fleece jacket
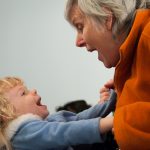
(132, 82)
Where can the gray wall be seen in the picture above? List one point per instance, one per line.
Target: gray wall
(38, 45)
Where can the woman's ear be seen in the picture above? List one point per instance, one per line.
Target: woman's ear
(110, 18)
(109, 22)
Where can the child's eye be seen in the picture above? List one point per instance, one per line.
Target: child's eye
(23, 93)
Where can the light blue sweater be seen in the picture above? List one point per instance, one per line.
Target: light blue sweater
(60, 130)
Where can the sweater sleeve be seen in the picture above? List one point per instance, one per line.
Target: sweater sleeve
(131, 120)
(133, 131)
(51, 135)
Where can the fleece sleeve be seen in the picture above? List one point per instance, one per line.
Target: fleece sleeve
(99, 110)
(132, 115)
(131, 125)
(56, 135)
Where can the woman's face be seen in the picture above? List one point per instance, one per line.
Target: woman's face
(25, 101)
(96, 37)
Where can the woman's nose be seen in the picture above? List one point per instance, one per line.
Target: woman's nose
(80, 42)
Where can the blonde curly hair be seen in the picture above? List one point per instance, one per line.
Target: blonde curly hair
(6, 109)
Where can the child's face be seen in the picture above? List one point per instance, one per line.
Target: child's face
(25, 101)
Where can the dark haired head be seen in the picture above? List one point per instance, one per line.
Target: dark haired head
(74, 106)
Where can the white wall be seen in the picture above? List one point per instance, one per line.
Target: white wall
(37, 44)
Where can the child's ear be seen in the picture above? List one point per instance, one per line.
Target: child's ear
(4, 118)
(1, 121)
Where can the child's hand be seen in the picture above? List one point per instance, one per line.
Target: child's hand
(105, 91)
(106, 124)
(109, 84)
(104, 94)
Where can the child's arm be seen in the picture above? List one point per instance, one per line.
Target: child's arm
(99, 110)
(41, 134)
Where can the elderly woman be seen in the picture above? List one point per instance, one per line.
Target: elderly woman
(119, 30)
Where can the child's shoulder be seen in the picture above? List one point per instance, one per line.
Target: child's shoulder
(15, 124)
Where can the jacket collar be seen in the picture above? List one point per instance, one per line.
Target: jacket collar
(15, 124)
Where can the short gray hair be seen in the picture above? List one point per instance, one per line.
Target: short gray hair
(123, 11)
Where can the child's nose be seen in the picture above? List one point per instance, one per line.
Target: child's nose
(34, 91)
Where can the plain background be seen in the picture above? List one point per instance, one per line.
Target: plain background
(38, 45)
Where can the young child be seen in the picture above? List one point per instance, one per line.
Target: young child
(25, 123)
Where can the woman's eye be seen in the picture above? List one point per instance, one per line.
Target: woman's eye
(79, 27)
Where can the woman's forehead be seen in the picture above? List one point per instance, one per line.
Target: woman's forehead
(75, 14)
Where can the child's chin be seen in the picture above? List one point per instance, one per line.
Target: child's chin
(45, 114)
